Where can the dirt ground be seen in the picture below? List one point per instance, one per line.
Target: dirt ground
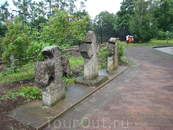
(6, 106)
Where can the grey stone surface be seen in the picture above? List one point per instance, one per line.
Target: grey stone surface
(65, 66)
(89, 51)
(168, 49)
(13, 60)
(112, 52)
(48, 73)
(95, 82)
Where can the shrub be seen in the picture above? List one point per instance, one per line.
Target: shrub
(162, 35)
(121, 47)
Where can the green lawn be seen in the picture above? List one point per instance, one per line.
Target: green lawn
(154, 43)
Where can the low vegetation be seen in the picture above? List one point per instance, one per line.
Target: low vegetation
(76, 61)
(19, 74)
(30, 93)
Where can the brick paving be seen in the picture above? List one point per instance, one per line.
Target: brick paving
(145, 102)
(139, 99)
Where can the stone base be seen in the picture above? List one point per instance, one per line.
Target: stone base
(52, 95)
(94, 82)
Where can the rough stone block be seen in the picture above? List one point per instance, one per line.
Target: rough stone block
(112, 52)
(48, 73)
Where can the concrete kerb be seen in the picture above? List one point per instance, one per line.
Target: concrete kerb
(101, 86)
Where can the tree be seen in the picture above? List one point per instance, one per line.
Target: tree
(105, 24)
(24, 9)
(143, 25)
(15, 41)
(124, 15)
(164, 13)
(62, 26)
(4, 15)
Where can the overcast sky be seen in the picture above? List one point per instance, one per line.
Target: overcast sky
(94, 7)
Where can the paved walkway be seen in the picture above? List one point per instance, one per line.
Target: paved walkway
(139, 99)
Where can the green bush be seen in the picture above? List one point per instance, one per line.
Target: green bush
(15, 42)
(1, 48)
(102, 57)
(121, 47)
(162, 35)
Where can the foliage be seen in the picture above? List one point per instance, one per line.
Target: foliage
(29, 93)
(162, 35)
(143, 25)
(34, 50)
(61, 29)
(15, 41)
(105, 24)
(164, 13)
(1, 49)
(4, 15)
(121, 48)
(2, 31)
(68, 80)
(23, 73)
(124, 15)
(63, 26)
(102, 57)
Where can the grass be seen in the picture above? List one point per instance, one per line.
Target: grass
(30, 93)
(153, 43)
(24, 73)
(76, 61)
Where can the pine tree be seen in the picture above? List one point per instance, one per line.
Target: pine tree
(164, 14)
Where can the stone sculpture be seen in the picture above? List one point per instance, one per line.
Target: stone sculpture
(89, 50)
(48, 74)
(112, 52)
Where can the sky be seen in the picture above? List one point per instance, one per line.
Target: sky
(94, 7)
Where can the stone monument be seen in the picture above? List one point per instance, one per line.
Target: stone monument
(89, 50)
(112, 52)
(48, 74)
